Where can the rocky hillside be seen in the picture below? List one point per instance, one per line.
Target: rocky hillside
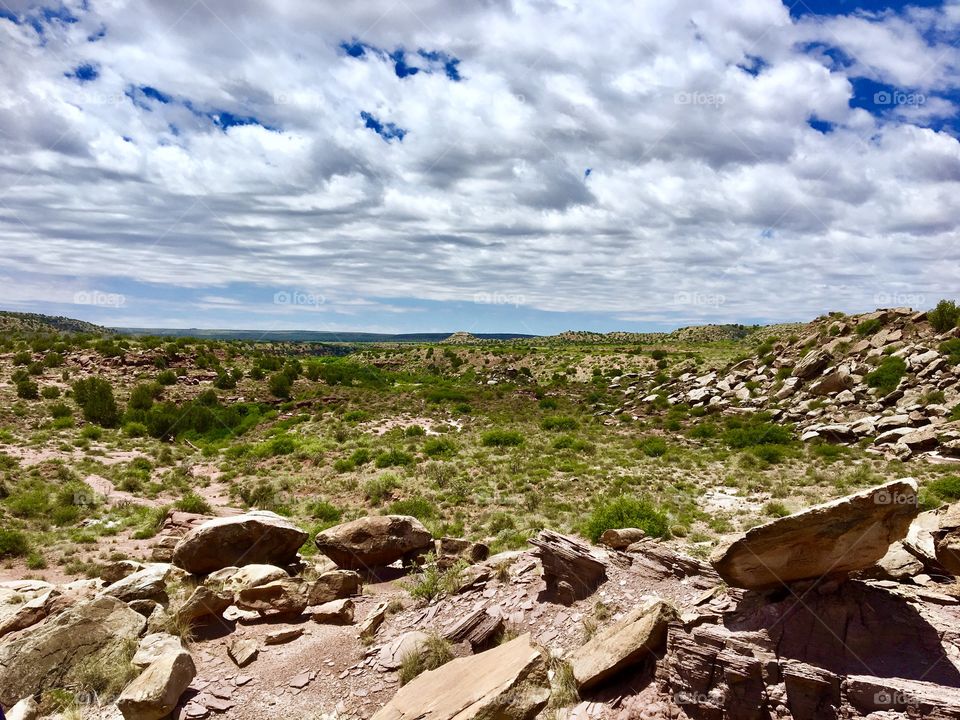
(886, 379)
(847, 610)
(15, 322)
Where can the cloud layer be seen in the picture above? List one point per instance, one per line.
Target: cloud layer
(635, 166)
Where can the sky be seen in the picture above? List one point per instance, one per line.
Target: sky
(524, 166)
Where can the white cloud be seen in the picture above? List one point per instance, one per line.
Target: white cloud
(704, 177)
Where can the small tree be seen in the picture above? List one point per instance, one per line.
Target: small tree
(280, 385)
(944, 316)
(95, 398)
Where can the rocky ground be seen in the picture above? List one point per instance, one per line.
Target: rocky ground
(846, 610)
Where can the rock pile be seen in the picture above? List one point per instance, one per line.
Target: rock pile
(821, 381)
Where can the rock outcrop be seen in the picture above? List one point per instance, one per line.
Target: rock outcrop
(42, 659)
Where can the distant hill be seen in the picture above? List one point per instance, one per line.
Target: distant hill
(38, 323)
(690, 334)
(310, 335)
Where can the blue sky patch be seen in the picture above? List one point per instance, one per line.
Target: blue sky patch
(753, 65)
(388, 131)
(404, 63)
(821, 126)
(84, 73)
(801, 8)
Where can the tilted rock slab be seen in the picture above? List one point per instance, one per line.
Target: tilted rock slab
(838, 537)
(374, 541)
(154, 693)
(257, 537)
(41, 659)
(627, 642)
(508, 682)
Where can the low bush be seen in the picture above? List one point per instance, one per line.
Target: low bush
(393, 458)
(418, 507)
(439, 447)
(13, 543)
(559, 423)
(193, 503)
(869, 327)
(380, 488)
(652, 446)
(886, 377)
(626, 512)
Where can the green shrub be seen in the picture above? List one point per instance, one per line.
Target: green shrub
(750, 432)
(776, 509)
(280, 385)
(559, 423)
(143, 395)
(944, 316)
(501, 438)
(414, 431)
(771, 454)
(193, 503)
(135, 430)
(95, 398)
(652, 446)
(549, 403)
(626, 512)
(568, 442)
(951, 348)
(13, 543)
(439, 447)
(446, 394)
(869, 327)
(167, 377)
(27, 390)
(393, 458)
(50, 392)
(419, 507)
(324, 511)
(887, 376)
(380, 488)
(500, 521)
(91, 432)
(946, 488)
(703, 431)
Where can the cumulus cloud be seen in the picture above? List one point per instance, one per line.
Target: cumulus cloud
(655, 163)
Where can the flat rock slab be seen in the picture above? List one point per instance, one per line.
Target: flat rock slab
(508, 682)
(838, 537)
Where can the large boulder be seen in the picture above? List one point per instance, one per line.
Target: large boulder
(374, 541)
(627, 642)
(812, 364)
(833, 539)
(154, 693)
(255, 537)
(203, 602)
(508, 682)
(147, 584)
(42, 659)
